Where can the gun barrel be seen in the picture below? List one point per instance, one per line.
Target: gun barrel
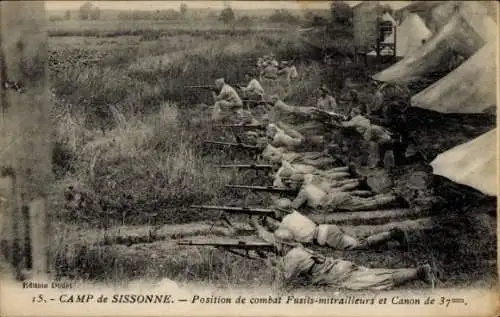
(331, 114)
(229, 244)
(240, 145)
(265, 188)
(241, 126)
(202, 86)
(254, 166)
(246, 210)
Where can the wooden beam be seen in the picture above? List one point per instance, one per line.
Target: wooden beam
(25, 127)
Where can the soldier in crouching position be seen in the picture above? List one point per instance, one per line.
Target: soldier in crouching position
(296, 261)
(326, 101)
(289, 71)
(253, 90)
(380, 136)
(227, 102)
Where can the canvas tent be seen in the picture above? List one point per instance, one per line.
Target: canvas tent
(476, 12)
(471, 88)
(464, 34)
(410, 34)
(473, 164)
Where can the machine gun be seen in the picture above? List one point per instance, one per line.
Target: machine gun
(231, 246)
(242, 126)
(237, 145)
(271, 189)
(330, 114)
(260, 248)
(241, 210)
(207, 87)
(247, 166)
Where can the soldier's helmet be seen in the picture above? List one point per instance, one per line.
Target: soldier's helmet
(219, 82)
(274, 98)
(283, 203)
(283, 234)
(324, 89)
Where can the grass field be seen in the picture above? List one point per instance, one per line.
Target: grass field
(129, 135)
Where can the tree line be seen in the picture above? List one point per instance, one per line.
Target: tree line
(340, 15)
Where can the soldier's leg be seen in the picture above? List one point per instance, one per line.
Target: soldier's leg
(381, 238)
(399, 150)
(349, 186)
(424, 273)
(382, 148)
(216, 111)
(320, 162)
(361, 193)
(360, 203)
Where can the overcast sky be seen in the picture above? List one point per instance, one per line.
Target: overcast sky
(158, 5)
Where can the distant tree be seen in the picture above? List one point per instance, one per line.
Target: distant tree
(184, 9)
(227, 15)
(309, 16)
(283, 16)
(341, 13)
(55, 18)
(95, 13)
(169, 14)
(67, 15)
(245, 21)
(85, 10)
(315, 20)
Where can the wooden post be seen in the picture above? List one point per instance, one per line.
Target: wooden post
(25, 133)
(395, 55)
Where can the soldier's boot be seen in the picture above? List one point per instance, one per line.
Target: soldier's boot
(382, 149)
(375, 241)
(428, 273)
(399, 235)
(403, 276)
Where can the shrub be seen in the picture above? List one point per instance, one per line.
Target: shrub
(283, 16)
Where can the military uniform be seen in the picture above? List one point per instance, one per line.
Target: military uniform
(227, 103)
(327, 271)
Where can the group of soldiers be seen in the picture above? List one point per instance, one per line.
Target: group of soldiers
(270, 69)
(320, 181)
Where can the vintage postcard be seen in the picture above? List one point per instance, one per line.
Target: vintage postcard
(248, 158)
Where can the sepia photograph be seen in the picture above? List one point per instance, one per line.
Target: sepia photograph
(248, 158)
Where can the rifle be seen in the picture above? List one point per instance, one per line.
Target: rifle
(255, 101)
(243, 126)
(250, 166)
(208, 87)
(238, 145)
(330, 114)
(291, 191)
(242, 210)
(229, 246)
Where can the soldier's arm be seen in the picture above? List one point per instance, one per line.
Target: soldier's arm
(261, 231)
(299, 200)
(347, 124)
(222, 95)
(333, 103)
